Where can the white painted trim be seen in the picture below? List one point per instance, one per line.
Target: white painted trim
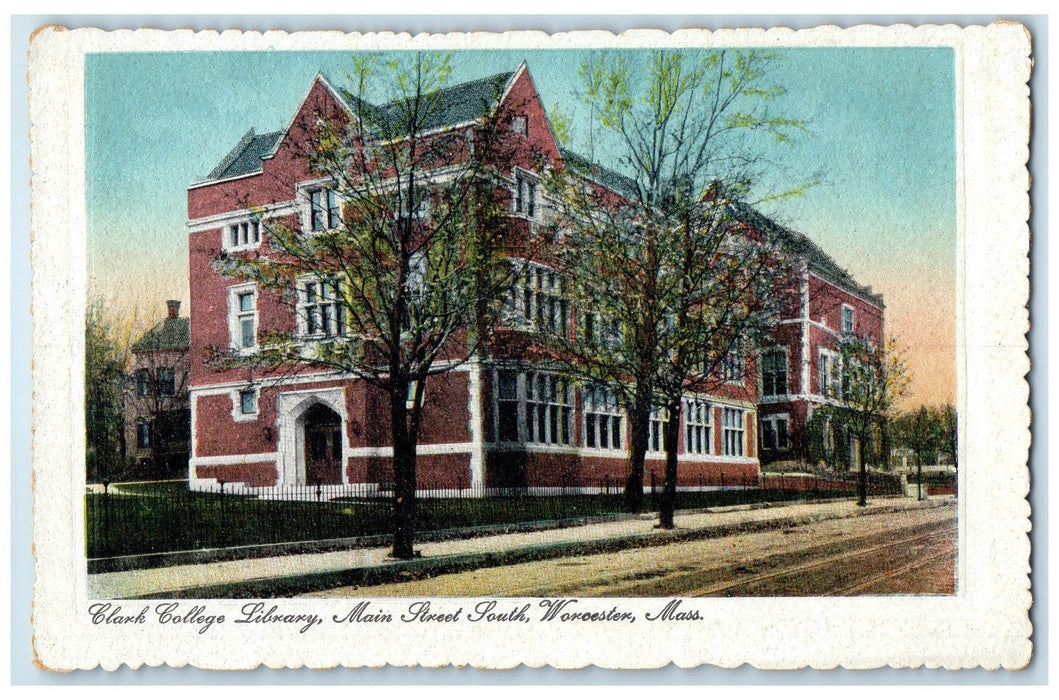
(443, 448)
(216, 221)
(234, 331)
(237, 404)
(290, 408)
(803, 297)
(280, 383)
(232, 460)
(476, 421)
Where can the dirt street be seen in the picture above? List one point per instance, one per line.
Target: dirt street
(894, 553)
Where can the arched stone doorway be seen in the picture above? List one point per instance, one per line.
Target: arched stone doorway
(322, 431)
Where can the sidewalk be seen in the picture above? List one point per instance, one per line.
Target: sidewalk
(281, 576)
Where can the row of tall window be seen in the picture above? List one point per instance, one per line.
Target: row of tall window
(536, 407)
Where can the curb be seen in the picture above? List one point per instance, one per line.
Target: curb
(397, 571)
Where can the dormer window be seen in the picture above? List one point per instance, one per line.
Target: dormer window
(325, 212)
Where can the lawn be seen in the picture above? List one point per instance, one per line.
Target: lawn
(167, 517)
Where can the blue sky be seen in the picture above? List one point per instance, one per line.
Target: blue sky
(881, 133)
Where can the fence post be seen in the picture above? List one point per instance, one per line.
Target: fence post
(105, 538)
(220, 521)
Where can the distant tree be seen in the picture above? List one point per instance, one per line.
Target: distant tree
(106, 360)
(667, 286)
(949, 434)
(921, 431)
(402, 270)
(873, 379)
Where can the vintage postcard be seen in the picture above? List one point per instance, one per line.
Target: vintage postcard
(705, 347)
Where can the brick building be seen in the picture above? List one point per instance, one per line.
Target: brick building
(508, 420)
(157, 417)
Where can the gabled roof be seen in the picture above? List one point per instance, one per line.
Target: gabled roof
(456, 104)
(246, 157)
(611, 179)
(169, 334)
(804, 247)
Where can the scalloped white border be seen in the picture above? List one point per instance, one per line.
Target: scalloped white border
(986, 624)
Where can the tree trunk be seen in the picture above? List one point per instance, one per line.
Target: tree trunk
(639, 425)
(404, 474)
(919, 477)
(862, 485)
(669, 486)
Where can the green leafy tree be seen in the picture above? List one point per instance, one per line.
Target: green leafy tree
(106, 360)
(409, 252)
(668, 283)
(922, 432)
(874, 378)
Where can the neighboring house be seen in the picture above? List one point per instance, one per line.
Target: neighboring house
(157, 417)
(509, 420)
(802, 371)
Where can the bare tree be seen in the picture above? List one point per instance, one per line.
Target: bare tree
(668, 284)
(402, 269)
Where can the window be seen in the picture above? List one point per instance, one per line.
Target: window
(655, 428)
(242, 317)
(166, 381)
(598, 332)
(696, 427)
(538, 298)
(732, 367)
(248, 402)
(547, 409)
(526, 195)
(245, 234)
(143, 433)
(519, 125)
(325, 213)
(143, 383)
(603, 418)
(507, 405)
(830, 374)
(533, 407)
(775, 432)
(774, 373)
(847, 319)
(321, 313)
(733, 432)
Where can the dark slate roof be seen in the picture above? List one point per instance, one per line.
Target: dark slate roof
(801, 245)
(169, 334)
(611, 179)
(456, 104)
(246, 157)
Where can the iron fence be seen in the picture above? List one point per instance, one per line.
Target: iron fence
(157, 517)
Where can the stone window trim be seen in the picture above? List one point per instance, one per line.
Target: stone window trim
(603, 420)
(242, 235)
(526, 196)
(243, 318)
(320, 314)
(242, 398)
(532, 406)
(776, 431)
(773, 377)
(733, 432)
(849, 322)
(698, 426)
(319, 207)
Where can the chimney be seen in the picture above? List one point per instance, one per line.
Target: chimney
(174, 308)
